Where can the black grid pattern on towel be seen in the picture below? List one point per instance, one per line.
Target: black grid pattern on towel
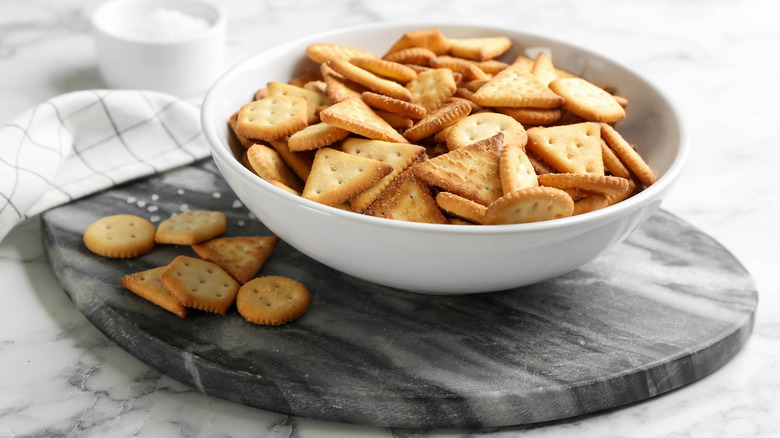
(156, 117)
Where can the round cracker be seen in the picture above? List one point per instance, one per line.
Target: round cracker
(120, 236)
(480, 126)
(533, 204)
(272, 300)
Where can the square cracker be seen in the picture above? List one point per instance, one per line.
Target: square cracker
(569, 148)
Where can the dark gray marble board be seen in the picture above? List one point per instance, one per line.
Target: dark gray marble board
(663, 309)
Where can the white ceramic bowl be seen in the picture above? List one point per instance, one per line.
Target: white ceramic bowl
(153, 45)
(448, 259)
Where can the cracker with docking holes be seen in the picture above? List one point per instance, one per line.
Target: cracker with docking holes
(432, 88)
(480, 126)
(441, 94)
(120, 236)
(407, 198)
(241, 257)
(569, 148)
(315, 100)
(200, 284)
(146, 284)
(337, 176)
(515, 169)
(399, 155)
(272, 117)
(191, 227)
(587, 100)
(272, 300)
(532, 204)
(471, 171)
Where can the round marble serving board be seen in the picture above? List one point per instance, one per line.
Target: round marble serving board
(662, 309)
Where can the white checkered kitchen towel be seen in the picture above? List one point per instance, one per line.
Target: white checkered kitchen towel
(82, 142)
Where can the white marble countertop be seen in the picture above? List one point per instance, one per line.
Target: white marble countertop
(717, 60)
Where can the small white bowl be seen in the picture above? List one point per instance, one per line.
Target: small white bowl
(448, 259)
(180, 59)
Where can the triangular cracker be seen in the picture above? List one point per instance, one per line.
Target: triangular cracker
(399, 155)
(479, 49)
(241, 257)
(355, 116)
(408, 198)
(515, 86)
(569, 148)
(432, 39)
(471, 171)
(430, 89)
(146, 284)
(337, 176)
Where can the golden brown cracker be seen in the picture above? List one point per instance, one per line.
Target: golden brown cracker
(461, 207)
(272, 117)
(471, 171)
(336, 176)
(432, 39)
(146, 284)
(241, 257)
(382, 102)
(438, 119)
(480, 126)
(532, 204)
(516, 87)
(272, 300)
(627, 154)
(479, 49)
(191, 227)
(324, 52)
(407, 198)
(587, 100)
(516, 170)
(316, 136)
(120, 236)
(602, 184)
(432, 88)
(386, 69)
(569, 148)
(355, 116)
(269, 165)
(199, 284)
(370, 80)
(399, 155)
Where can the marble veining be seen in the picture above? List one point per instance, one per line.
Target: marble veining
(717, 60)
(373, 355)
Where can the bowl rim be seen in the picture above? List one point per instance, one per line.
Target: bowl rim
(221, 149)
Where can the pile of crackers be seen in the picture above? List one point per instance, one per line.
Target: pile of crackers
(223, 275)
(441, 130)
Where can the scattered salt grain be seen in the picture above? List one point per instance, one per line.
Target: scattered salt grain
(237, 204)
(152, 208)
(131, 200)
(165, 24)
(180, 192)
